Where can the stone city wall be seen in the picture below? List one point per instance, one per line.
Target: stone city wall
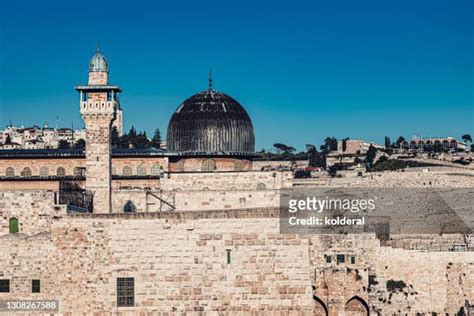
(275, 164)
(223, 199)
(247, 180)
(391, 281)
(33, 209)
(180, 263)
(152, 201)
(422, 177)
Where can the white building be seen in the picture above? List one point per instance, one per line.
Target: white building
(14, 137)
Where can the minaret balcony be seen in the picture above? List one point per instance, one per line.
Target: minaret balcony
(98, 107)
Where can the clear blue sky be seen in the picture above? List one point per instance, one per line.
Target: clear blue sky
(304, 70)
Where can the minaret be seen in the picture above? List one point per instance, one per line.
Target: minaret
(99, 105)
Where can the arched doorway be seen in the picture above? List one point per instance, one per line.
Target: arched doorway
(356, 306)
(320, 308)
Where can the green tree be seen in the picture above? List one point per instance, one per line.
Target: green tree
(344, 144)
(128, 139)
(115, 138)
(330, 143)
(141, 141)
(133, 132)
(316, 159)
(370, 156)
(64, 144)
(388, 143)
(80, 144)
(312, 152)
(467, 138)
(156, 140)
(400, 140)
(284, 149)
(280, 147)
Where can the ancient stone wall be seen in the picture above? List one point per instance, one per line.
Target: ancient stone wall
(198, 164)
(33, 209)
(139, 165)
(50, 166)
(226, 260)
(224, 199)
(419, 177)
(158, 200)
(248, 180)
(275, 164)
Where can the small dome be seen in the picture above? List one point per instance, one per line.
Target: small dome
(98, 62)
(210, 121)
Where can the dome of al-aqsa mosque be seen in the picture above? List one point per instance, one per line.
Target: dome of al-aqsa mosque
(211, 122)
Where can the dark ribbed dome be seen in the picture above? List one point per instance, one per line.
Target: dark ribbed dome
(210, 121)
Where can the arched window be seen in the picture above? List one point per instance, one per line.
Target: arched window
(208, 165)
(238, 165)
(141, 170)
(44, 171)
(26, 172)
(155, 169)
(78, 171)
(10, 172)
(13, 225)
(205, 189)
(60, 172)
(127, 171)
(129, 207)
(261, 186)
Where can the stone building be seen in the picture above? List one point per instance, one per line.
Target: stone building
(205, 238)
(429, 144)
(355, 146)
(36, 137)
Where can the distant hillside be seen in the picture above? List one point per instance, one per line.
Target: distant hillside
(391, 165)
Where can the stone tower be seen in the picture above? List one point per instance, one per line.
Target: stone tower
(99, 108)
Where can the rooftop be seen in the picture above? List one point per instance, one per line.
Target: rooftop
(116, 152)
